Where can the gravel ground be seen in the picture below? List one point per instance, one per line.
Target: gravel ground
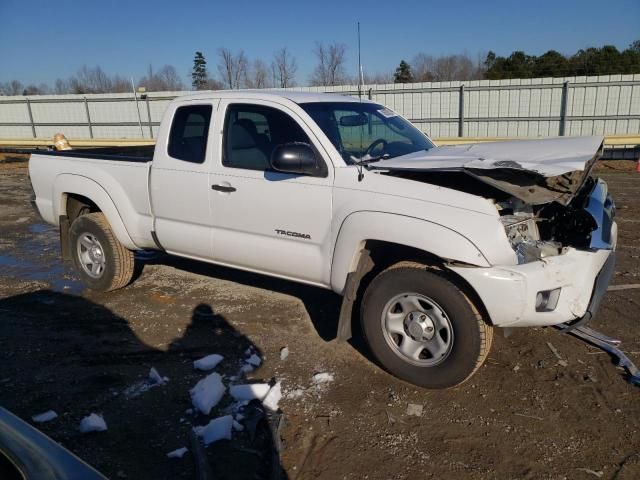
(522, 415)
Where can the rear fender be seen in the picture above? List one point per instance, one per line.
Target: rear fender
(67, 183)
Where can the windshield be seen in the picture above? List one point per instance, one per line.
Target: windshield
(365, 131)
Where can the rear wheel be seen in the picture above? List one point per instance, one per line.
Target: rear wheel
(102, 262)
(422, 328)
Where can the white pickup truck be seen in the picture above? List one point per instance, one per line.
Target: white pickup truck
(432, 246)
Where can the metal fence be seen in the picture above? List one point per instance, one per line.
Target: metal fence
(538, 107)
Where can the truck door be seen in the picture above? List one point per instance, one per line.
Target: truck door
(179, 180)
(267, 221)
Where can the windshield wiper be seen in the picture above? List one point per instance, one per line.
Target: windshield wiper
(366, 161)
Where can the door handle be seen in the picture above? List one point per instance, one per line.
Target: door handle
(223, 188)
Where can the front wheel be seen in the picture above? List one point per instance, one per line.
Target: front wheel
(422, 328)
(102, 262)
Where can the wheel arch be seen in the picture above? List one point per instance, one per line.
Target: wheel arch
(398, 234)
(366, 257)
(73, 190)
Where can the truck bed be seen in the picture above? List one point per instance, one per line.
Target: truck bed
(143, 153)
(115, 178)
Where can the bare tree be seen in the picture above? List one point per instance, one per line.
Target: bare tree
(331, 60)
(259, 77)
(90, 80)
(376, 78)
(165, 79)
(427, 68)
(284, 68)
(40, 89)
(232, 68)
(120, 84)
(14, 87)
(422, 67)
(61, 87)
(213, 84)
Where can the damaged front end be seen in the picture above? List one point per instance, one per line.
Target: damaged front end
(543, 189)
(557, 218)
(539, 231)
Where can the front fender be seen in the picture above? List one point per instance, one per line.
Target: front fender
(77, 184)
(427, 236)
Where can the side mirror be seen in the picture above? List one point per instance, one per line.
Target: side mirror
(298, 158)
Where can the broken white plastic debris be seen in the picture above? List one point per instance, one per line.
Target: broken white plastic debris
(217, 429)
(297, 393)
(179, 453)
(246, 368)
(254, 360)
(208, 363)
(207, 393)
(45, 417)
(414, 409)
(284, 353)
(93, 423)
(273, 397)
(324, 377)
(237, 426)
(249, 391)
(156, 378)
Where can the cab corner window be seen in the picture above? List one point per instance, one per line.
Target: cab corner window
(189, 132)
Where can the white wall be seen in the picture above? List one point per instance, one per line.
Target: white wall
(602, 105)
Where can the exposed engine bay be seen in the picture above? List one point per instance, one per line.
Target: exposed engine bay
(539, 227)
(543, 189)
(538, 231)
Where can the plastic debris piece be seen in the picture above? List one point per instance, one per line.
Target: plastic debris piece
(414, 410)
(45, 417)
(217, 429)
(208, 363)
(207, 393)
(249, 391)
(156, 378)
(324, 377)
(254, 360)
(179, 453)
(273, 398)
(93, 423)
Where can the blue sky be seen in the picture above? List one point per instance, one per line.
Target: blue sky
(44, 40)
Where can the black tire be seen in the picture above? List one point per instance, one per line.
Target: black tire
(468, 345)
(116, 269)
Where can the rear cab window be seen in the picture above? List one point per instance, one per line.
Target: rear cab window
(189, 133)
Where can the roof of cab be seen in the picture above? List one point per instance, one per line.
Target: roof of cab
(294, 96)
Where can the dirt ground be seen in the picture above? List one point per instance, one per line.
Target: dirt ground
(521, 416)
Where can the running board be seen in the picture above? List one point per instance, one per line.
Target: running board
(609, 345)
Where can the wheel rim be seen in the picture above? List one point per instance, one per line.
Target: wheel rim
(417, 329)
(91, 255)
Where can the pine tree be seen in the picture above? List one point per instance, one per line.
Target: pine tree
(199, 78)
(403, 73)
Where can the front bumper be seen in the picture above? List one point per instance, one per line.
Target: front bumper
(509, 292)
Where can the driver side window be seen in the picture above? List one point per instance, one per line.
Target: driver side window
(252, 132)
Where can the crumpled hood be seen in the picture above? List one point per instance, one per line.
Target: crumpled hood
(536, 171)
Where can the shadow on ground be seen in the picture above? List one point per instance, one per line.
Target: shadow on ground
(69, 354)
(323, 306)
